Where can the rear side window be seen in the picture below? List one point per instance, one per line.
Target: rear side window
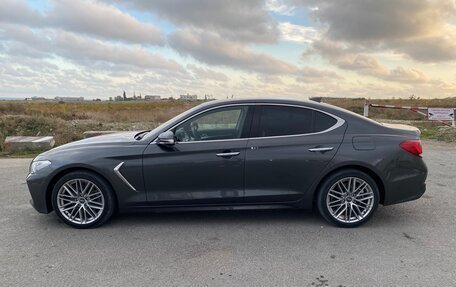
(284, 120)
(280, 121)
(323, 122)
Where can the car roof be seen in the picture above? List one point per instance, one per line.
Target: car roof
(285, 101)
(277, 100)
(261, 100)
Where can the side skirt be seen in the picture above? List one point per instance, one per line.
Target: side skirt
(160, 209)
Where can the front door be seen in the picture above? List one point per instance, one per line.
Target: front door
(206, 164)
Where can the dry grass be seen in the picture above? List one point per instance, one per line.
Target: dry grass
(152, 111)
(67, 121)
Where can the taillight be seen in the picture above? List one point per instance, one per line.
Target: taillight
(412, 146)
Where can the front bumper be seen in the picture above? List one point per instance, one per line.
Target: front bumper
(37, 185)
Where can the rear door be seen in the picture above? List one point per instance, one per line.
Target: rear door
(288, 148)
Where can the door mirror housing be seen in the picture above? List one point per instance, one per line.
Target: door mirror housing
(166, 138)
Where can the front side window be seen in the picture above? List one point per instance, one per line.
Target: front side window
(219, 124)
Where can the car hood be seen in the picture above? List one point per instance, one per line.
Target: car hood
(115, 138)
(121, 138)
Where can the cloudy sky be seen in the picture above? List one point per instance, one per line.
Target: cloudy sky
(292, 48)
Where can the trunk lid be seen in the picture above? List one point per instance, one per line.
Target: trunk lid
(404, 129)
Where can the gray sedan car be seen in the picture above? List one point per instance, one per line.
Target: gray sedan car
(235, 154)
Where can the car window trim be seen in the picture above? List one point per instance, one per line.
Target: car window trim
(247, 115)
(259, 110)
(339, 122)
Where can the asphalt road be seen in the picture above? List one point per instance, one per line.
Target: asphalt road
(411, 244)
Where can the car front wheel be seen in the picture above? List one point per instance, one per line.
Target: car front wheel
(348, 198)
(83, 199)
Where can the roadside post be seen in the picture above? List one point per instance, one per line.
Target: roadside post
(454, 116)
(366, 108)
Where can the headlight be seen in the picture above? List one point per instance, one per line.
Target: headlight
(38, 165)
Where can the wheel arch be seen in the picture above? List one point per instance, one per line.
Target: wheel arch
(362, 168)
(68, 170)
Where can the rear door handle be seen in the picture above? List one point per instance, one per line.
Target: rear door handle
(228, 154)
(321, 149)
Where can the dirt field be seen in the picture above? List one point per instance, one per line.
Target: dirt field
(68, 121)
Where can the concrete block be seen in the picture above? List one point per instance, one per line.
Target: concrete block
(89, 134)
(20, 143)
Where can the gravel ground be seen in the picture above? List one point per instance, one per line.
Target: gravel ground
(411, 244)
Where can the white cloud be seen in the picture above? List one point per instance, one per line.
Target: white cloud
(420, 29)
(343, 57)
(83, 50)
(99, 19)
(312, 75)
(204, 73)
(238, 20)
(210, 48)
(280, 7)
(298, 33)
(87, 16)
(17, 11)
(98, 47)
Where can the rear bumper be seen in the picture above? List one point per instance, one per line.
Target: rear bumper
(408, 194)
(410, 184)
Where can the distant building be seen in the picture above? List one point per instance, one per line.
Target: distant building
(38, 98)
(69, 99)
(152, 97)
(188, 97)
(118, 98)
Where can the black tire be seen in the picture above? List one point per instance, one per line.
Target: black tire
(332, 179)
(104, 214)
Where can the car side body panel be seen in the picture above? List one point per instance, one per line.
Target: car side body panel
(101, 158)
(284, 168)
(192, 173)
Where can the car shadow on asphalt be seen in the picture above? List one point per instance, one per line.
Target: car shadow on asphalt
(385, 216)
(218, 217)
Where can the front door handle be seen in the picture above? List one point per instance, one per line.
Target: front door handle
(321, 149)
(228, 154)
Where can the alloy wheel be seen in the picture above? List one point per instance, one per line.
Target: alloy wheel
(80, 201)
(350, 200)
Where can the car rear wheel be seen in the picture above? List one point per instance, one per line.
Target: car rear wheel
(83, 199)
(348, 198)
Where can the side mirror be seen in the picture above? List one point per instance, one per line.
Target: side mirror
(166, 138)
